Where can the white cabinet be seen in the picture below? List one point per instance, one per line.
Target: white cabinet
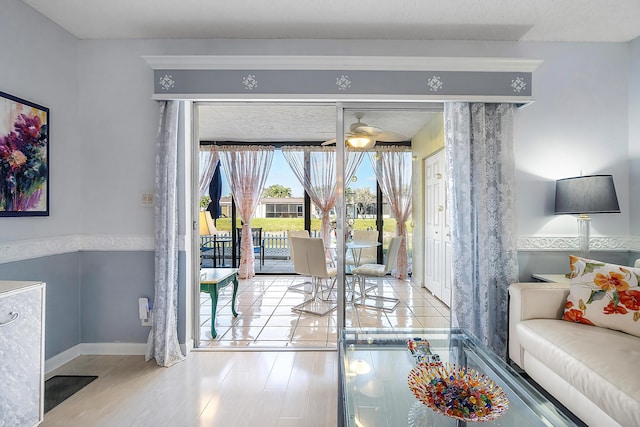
(21, 353)
(437, 237)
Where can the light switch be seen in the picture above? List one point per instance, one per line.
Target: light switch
(146, 200)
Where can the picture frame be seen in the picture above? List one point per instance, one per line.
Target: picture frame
(24, 157)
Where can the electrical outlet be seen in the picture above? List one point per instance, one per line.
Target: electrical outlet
(148, 321)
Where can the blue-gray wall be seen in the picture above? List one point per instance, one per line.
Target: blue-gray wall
(112, 282)
(63, 318)
(92, 297)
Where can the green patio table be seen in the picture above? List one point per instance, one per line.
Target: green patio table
(211, 281)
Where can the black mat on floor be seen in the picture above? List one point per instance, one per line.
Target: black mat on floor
(59, 388)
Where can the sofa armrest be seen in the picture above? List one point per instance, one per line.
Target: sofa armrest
(539, 300)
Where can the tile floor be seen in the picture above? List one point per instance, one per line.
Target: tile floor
(265, 319)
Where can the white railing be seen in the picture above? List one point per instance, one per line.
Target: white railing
(276, 245)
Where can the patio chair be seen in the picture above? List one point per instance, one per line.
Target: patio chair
(258, 242)
(308, 260)
(377, 271)
(304, 234)
(365, 255)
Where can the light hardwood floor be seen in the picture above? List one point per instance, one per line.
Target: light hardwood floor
(240, 388)
(294, 388)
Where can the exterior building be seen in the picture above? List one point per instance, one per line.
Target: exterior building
(270, 207)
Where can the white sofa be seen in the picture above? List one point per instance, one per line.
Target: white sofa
(593, 371)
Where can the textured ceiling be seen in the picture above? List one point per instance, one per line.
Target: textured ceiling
(509, 20)
(486, 20)
(282, 123)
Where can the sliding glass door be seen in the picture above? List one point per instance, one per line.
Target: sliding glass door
(376, 206)
(361, 219)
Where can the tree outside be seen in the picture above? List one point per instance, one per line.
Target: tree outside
(204, 202)
(362, 199)
(277, 190)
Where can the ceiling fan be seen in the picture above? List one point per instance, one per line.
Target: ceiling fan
(361, 135)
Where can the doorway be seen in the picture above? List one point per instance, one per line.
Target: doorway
(264, 303)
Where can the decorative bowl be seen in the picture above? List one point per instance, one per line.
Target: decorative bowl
(457, 392)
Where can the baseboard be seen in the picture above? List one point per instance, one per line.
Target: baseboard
(187, 347)
(60, 359)
(103, 349)
(114, 349)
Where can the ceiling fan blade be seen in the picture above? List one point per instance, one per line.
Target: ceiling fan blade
(390, 136)
(369, 130)
(329, 142)
(377, 133)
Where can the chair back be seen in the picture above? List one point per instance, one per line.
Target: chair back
(316, 257)
(256, 235)
(299, 255)
(367, 236)
(392, 254)
(295, 233)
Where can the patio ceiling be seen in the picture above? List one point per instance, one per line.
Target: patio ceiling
(299, 123)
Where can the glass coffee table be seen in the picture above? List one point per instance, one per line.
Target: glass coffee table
(374, 365)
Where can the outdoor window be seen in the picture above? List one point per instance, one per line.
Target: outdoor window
(284, 210)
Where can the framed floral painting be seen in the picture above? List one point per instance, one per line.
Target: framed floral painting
(24, 157)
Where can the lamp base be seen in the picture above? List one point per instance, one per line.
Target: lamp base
(584, 223)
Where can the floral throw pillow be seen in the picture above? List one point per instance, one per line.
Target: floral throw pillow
(605, 295)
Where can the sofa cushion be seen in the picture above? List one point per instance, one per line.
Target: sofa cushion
(605, 295)
(600, 363)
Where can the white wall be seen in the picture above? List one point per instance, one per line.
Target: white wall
(119, 129)
(578, 122)
(634, 137)
(38, 63)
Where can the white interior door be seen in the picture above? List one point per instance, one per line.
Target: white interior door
(432, 224)
(437, 236)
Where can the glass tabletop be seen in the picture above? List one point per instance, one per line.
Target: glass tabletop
(374, 365)
(361, 244)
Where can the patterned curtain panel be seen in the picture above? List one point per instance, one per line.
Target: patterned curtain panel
(163, 344)
(208, 162)
(315, 168)
(246, 168)
(392, 166)
(479, 144)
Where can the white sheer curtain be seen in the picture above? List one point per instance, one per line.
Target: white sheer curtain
(392, 166)
(208, 162)
(246, 168)
(481, 170)
(315, 168)
(163, 344)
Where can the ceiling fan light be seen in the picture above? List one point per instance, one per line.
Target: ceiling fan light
(360, 141)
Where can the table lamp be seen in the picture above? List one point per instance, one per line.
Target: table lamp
(585, 195)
